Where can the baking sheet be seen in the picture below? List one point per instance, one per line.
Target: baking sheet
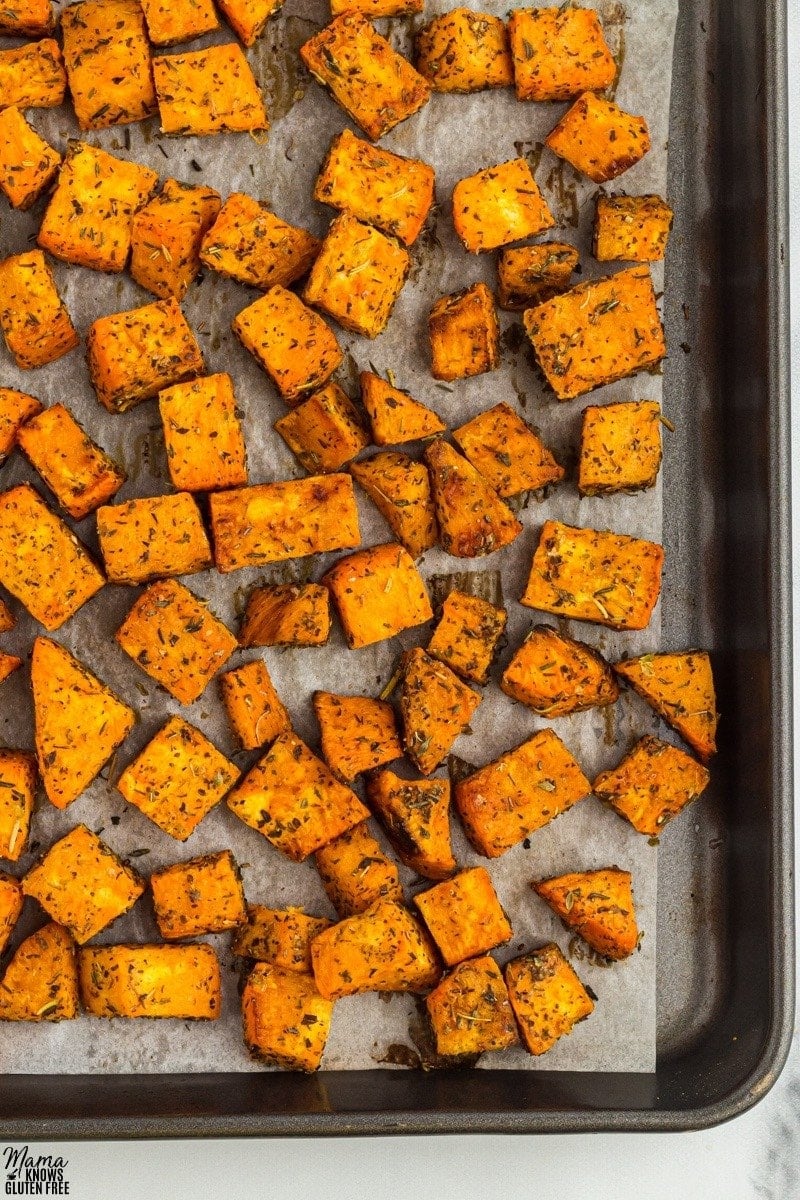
(458, 135)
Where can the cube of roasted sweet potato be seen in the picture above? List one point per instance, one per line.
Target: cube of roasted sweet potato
(499, 205)
(292, 343)
(377, 8)
(598, 138)
(547, 997)
(559, 53)
(400, 488)
(27, 18)
(150, 981)
(208, 91)
(357, 733)
(166, 238)
(652, 785)
(680, 687)
(378, 592)
(168, 23)
(470, 1012)
(250, 243)
(203, 434)
(416, 816)
(275, 521)
(9, 663)
(82, 884)
(282, 936)
(356, 873)
(28, 164)
(32, 76)
(17, 792)
(375, 85)
(286, 1021)
(606, 578)
(7, 618)
(464, 916)
(42, 563)
(107, 57)
(620, 447)
(78, 721)
(11, 902)
(464, 51)
(325, 431)
(15, 409)
(436, 708)
(467, 635)
(529, 275)
(598, 905)
(80, 475)
(177, 778)
(152, 537)
(507, 452)
(255, 710)
(287, 614)
(464, 334)
(472, 518)
(555, 675)
(248, 18)
(386, 190)
(134, 355)
(631, 228)
(203, 895)
(396, 416)
(34, 319)
(383, 949)
(295, 800)
(175, 639)
(41, 981)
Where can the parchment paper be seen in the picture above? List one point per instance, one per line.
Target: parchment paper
(458, 135)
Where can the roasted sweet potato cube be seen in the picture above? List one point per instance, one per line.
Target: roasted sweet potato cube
(631, 228)
(294, 800)
(464, 51)
(27, 18)
(680, 687)
(249, 243)
(559, 53)
(281, 936)
(34, 319)
(383, 949)
(177, 778)
(286, 1021)
(255, 710)
(41, 981)
(464, 335)
(15, 409)
(499, 205)
(467, 635)
(208, 91)
(152, 537)
(355, 872)
(598, 905)
(507, 452)
(375, 85)
(401, 491)
(472, 518)
(292, 343)
(464, 916)
(107, 57)
(469, 1011)
(32, 76)
(377, 8)
(386, 190)
(42, 563)
(395, 416)
(606, 578)
(166, 238)
(82, 884)
(248, 18)
(170, 23)
(28, 164)
(80, 475)
(7, 618)
(547, 997)
(17, 792)
(598, 138)
(436, 708)
(11, 902)
(555, 675)
(9, 663)
(416, 816)
(150, 981)
(378, 592)
(203, 895)
(357, 733)
(203, 434)
(652, 785)
(620, 447)
(529, 275)
(325, 431)
(287, 614)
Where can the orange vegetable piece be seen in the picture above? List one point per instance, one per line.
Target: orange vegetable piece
(203, 434)
(7, 618)
(598, 905)
(499, 205)
(620, 447)
(168, 23)
(400, 489)
(15, 409)
(377, 8)
(286, 1021)
(27, 18)
(107, 57)
(416, 816)
(325, 431)
(9, 663)
(248, 18)
(356, 873)
(680, 687)
(150, 981)
(507, 452)
(559, 53)
(357, 733)
(11, 902)
(292, 343)
(152, 537)
(378, 592)
(203, 895)
(28, 164)
(555, 675)
(166, 236)
(34, 319)
(631, 228)
(41, 981)
(473, 520)
(208, 91)
(436, 708)
(598, 138)
(464, 915)
(280, 936)
(18, 777)
(652, 785)
(464, 51)
(467, 635)
(547, 997)
(251, 244)
(287, 614)
(255, 710)
(469, 1011)
(529, 275)
(395, 416)
(32, 76)
(80, 475)
(464, 334)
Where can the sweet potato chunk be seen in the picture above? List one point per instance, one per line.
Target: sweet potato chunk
(680, 687)
(203, 895)
(357, 733)
(166, 238)
(286, 1021)
(559, 53)
(547, 997)
(78, 721)
(208, 91)
(82, 884)
(174, 638)
(464, 916)
(292, 343)
(17, 791)
(356, 873)
(401, 491)
(203, 434)
(150, 981)
(375, 85)
(529, 275)
(607, 578)
(28, 164)
(15, 409)
(473, 520)
(652, 784)
(177, 778)
(467, 635)
(464, 335)
(378, 592)
(107, 57)
(464, 51)
(11, 902)
(105, 192)
(416, 816)
(248, 18)
(9, 663)
(377, 8)
(41, 981)
(469, 1010)
(383, 949)
(620, 447)
(287, 614)
(80, 475)
(7, 618)
(555, 675)
(249, 243)
(499, 205)
(518, 793)
(32, 76)
(281, 936)
(507, 452)
(598, 905)
(42, 563)
(324, 431)
(168, 23)
(153, 537)
(255, 710)
(34, 319)
(598, 138)
(395, 416)
(27, 18)
(436, 708)
(631, 228)
(294, 800)
(386, 190)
